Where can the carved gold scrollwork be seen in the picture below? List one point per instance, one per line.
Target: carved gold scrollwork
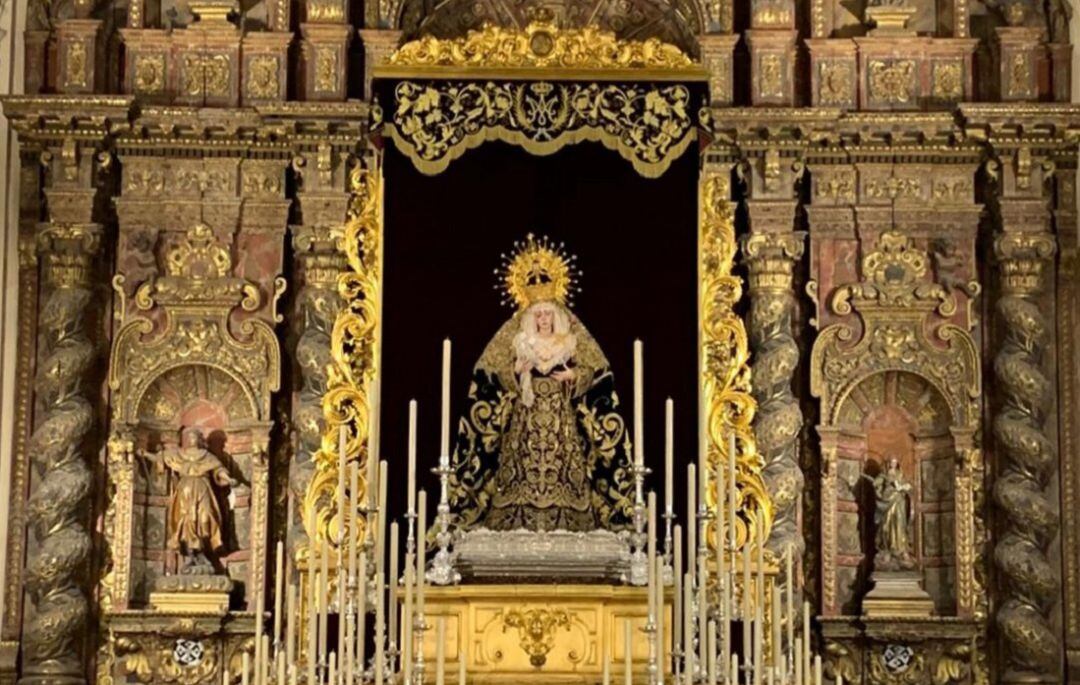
(729, 408)
(436, 122)
(355, 353)
(541, 45)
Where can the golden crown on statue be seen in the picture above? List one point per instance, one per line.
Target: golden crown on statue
(537, 270)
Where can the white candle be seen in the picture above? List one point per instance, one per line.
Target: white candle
(444, 436)
(462, 666)
(332, 679)
(659, 604)
(735, 668)
(347, 657)
(264, 668)
(817, 669)
(669, 456)
(260, 609)
(639, 388)
(353, 527)
(245, 664)
(790, 613)
(280, 680)
(225, 679)
(691, 519)
(380, 539)
(606, 673)
(628, 664)
(440, 651)
(746, 614)
(412, 457)
(733, 492)
(839, 679)
(702, 606)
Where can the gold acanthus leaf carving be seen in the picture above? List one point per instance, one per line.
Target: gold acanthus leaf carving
(725, 355)
(541, 44)
(892, 81)
(354, 351)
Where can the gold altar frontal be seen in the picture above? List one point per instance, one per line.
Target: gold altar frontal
(541, 633)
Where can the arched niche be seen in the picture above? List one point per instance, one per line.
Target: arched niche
(216, 402)
(904, 415)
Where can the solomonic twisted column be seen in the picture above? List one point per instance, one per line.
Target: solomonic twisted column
(56, 566)
(1029, 581)
(771, 258)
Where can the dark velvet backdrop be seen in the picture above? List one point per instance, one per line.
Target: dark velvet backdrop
(636, 244)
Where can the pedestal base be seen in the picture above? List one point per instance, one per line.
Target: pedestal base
(897, 593)
(201, 594)
(586, 624)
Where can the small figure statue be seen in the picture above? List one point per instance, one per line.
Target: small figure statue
(892, 519)
(194, 516)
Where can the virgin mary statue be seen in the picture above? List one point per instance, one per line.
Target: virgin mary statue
(541, 445)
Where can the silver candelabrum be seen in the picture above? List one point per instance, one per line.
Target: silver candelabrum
(442, 571)
(639, 559)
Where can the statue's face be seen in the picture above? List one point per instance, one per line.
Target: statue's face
(545, 321)
(189, 438)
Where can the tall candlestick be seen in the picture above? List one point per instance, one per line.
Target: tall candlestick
(444, 434)
(393, 581)
(669, 456)
(290, 632)
(281, 671)
(777, 635)
(790, 597)
(313, 616)
(245, 665)
(658, 636)
(652, 556)
(688, 629)
(817, 669)
(332, 678)
(703, 609)
(324, 598)
(806, 638)
(440, 652)
(407, 618)
(412, 457)
(735, 668)
(263, 669)
(747, 591)
(361, 612)
(348, 658)
(798, 661)
(711, 642)
(677, 611)
(421, 553)
(380, 626)
(279, 592)
(639, 424)
(628, 664)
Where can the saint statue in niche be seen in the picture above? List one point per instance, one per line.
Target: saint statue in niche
(892, 519)
(194, 521)
(541, 445)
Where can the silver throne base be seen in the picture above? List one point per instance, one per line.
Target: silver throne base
(598, 556)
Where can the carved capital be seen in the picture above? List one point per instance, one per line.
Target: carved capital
(1022, 260)
(771, 258)
(68, 252)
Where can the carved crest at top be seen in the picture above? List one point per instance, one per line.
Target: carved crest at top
(199, 255)
(541, 45)
(894, 277)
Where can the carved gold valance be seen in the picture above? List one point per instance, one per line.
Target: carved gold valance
(541, 51)
(435, 122)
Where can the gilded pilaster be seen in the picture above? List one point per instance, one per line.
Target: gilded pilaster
(1026, 457)
(771, 252)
